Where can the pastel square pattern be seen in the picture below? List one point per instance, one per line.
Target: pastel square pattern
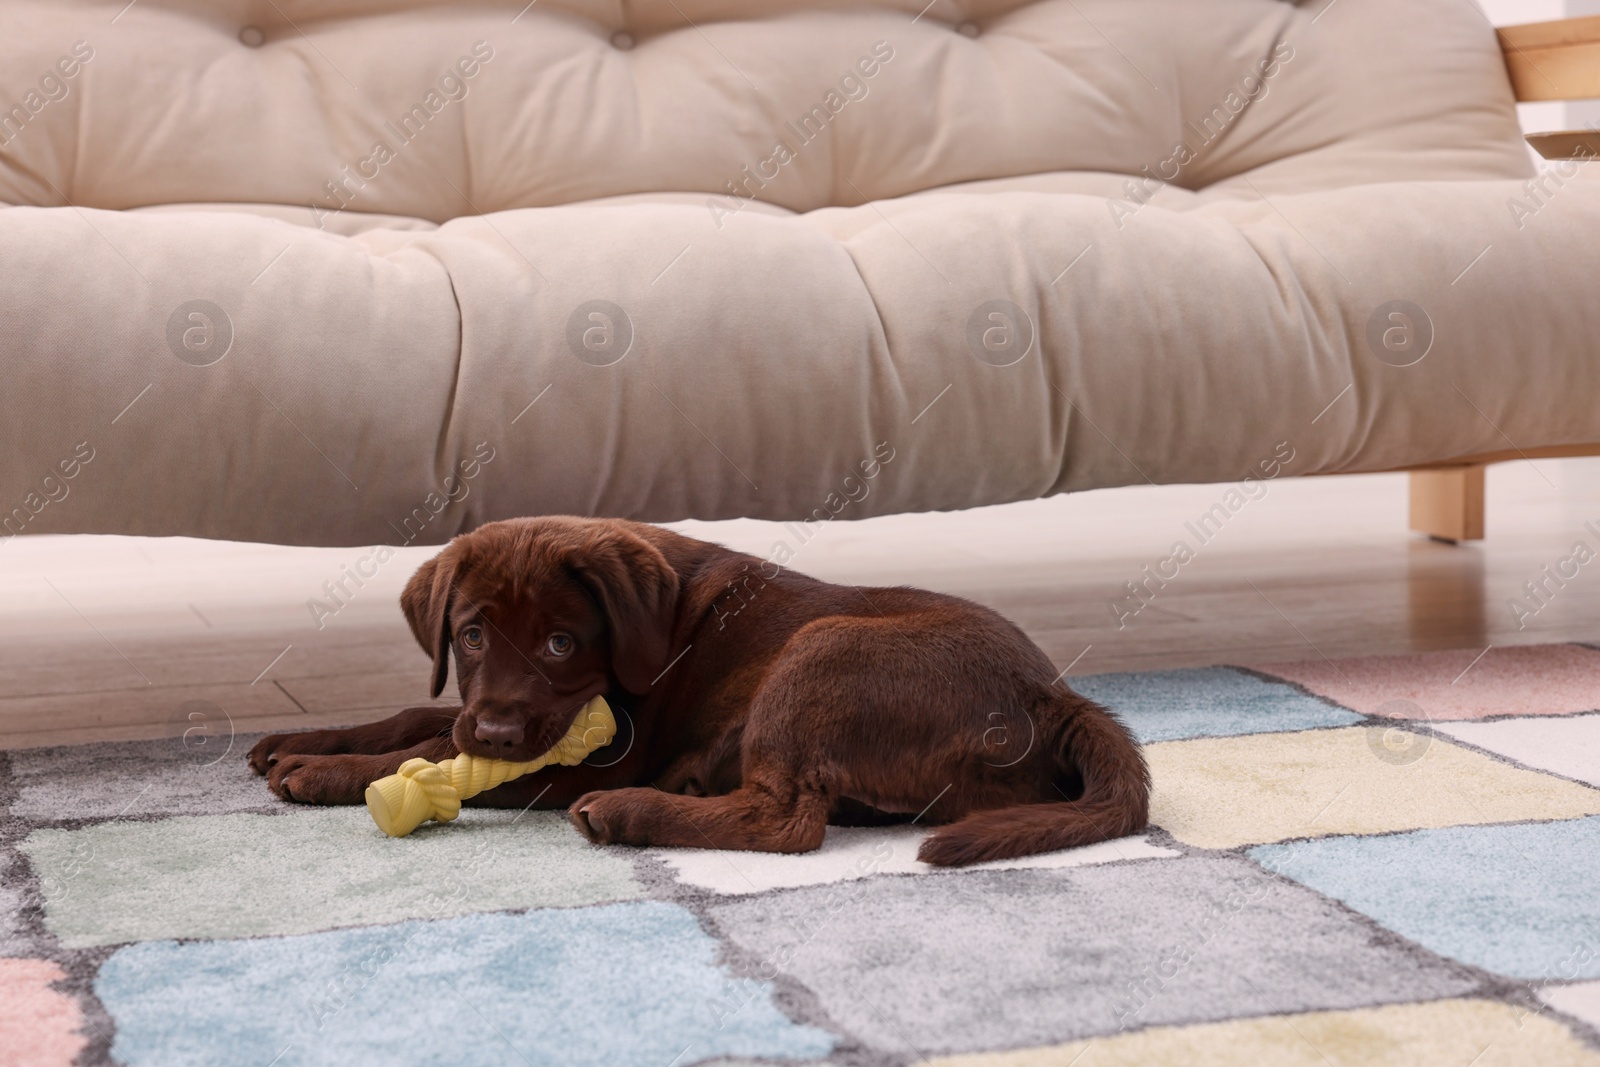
(1230, 791)
(1568, 745)
(1445, 1033)
(1442, 686)
(908, 965)
(311, 869)
(623, 985)
(1208, 702)
(1518, 900)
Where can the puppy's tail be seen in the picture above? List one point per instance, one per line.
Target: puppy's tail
(1089, 743)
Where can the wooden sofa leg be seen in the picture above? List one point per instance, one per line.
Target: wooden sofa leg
(1447, 503)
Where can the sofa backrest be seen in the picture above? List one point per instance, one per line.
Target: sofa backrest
(435, 110)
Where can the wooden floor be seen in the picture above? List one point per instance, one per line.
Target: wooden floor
(114, 637)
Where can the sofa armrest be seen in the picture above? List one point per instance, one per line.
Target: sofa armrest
(1557, 60)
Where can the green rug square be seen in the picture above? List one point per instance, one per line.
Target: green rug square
(244, 875)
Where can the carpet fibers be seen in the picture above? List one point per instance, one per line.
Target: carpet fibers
(1364, 861)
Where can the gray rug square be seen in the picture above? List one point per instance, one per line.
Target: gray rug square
(135, 779)
(1008, 959)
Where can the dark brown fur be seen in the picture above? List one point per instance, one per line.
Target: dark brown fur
(754, 705)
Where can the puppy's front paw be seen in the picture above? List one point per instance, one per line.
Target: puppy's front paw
(606, 817)
(319, 779)
(264, 753)
(579, 814)
(274, 747)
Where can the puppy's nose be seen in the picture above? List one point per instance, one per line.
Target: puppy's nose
(498, 734)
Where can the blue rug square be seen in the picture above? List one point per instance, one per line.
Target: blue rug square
(621, 985)
(1521, 900)
(1208, 702)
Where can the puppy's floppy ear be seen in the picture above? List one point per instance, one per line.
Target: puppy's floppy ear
(426, 603)
(637, 590)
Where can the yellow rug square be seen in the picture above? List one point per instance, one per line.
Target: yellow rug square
(1446, 1033)
(1223, 792)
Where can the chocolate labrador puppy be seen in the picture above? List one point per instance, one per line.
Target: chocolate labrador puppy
(754, 705)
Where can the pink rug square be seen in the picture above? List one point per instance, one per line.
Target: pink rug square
(38, 1026)
(1516, 680)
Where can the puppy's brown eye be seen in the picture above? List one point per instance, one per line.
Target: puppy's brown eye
(558, 645)
(472, 638)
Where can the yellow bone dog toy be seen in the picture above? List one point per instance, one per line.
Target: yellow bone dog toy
(421, 790)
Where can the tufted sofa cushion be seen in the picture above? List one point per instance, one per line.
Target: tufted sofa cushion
(266, 102)
(289, 269)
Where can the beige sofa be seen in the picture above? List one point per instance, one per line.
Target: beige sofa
(359, 271)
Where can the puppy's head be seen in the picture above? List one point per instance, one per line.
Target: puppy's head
(541, 615)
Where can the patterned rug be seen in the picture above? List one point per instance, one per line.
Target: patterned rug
(1365, 861)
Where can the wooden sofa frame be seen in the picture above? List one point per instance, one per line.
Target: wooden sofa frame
(1557, 60)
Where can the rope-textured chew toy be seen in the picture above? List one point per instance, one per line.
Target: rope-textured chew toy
(421, 790)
